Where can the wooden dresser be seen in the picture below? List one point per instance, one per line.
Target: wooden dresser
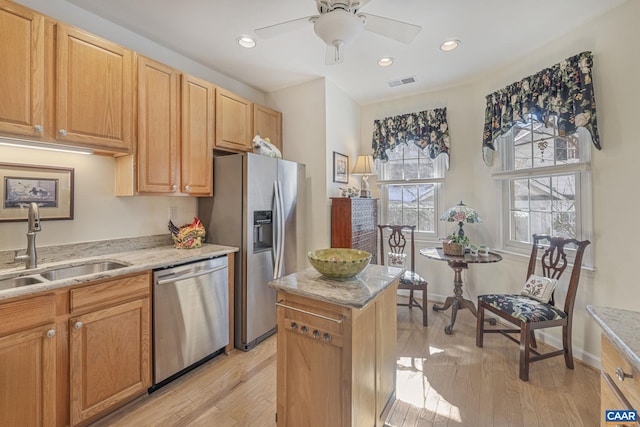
(354, 223)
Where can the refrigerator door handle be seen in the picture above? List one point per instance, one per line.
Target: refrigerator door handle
(276, 237)
(281, 230)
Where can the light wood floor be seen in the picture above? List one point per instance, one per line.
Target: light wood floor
(443, 380)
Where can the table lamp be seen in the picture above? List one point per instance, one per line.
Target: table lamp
(460, 213)
(365, 167)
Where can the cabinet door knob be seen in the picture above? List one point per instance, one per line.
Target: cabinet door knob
(187, 188)
(62, 132)
(51, 333)
(304, 330)
(326, 337)
(78, 325)
(621, 375)
(174, 187)
(38, 128)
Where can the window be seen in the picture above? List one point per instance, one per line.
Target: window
(410, 185)
(546, 184)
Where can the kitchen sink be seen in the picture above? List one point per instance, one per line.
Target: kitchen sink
(81, 270)
(16, 282)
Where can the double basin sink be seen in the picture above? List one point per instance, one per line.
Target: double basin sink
(60, 272)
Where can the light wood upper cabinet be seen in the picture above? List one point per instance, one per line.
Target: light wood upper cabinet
(268, 124)
(22, 70)
(198, 135)
(158, 127)
(94, 91)
(28, 362)
(233, 122)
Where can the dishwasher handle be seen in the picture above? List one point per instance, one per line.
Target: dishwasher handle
(175, 278)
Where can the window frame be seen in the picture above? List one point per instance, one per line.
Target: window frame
(439, 164)
(581, 171)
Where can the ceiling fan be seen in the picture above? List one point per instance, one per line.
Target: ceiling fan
(339, 22)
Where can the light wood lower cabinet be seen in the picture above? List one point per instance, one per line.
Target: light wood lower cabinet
(619, 382)
(28, 362)
(109, 345)
(109, 358)
(71, 355)
(336, 364)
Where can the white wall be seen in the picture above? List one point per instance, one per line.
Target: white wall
(303, 110)
(318, 119)
(98, 214)
(613, 39)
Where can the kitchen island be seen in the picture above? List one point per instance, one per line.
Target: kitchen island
(336, 348)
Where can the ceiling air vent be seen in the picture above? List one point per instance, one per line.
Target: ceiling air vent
(400, 82)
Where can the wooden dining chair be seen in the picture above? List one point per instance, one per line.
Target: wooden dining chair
(534, 308)
(396, 257)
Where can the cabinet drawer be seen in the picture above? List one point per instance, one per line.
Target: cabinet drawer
(111, 292)
(27, 313)
(613, 361)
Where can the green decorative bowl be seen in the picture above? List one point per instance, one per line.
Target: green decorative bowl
(339, 263)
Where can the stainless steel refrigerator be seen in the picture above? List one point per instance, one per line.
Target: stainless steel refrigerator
(257, 206)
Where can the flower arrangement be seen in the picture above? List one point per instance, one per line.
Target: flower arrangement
(454, 244)
(454, 237)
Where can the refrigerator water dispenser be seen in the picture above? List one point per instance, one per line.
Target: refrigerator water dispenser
(262, 231)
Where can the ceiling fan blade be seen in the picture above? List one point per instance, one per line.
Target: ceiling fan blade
(284, 27)
(396, 30)
(334, 54)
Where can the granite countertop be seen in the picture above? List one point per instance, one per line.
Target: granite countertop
(137, 260)
(355, 292)
(621, 327)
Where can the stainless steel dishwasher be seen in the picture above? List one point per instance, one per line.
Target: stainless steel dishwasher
(190, 316)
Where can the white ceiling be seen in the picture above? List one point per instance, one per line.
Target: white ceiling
(493, 33)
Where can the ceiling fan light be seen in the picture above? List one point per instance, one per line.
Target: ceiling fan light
(338, 26)
(246, 41)
(448, 45)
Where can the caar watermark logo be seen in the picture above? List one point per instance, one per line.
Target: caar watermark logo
(620, 416)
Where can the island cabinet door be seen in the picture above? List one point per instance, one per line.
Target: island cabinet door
(314, 370)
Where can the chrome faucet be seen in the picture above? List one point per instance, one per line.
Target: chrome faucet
(30, 258)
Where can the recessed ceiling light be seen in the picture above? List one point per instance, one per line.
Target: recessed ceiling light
(449, 45)
(385, 61)
(246, 41)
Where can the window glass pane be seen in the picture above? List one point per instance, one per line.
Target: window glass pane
(522, 155)
(540, 194)
(519, 194)
(411, 168)
(410, 217)
(564, 224)
(410, 196)
(540, 223)
(520, 226)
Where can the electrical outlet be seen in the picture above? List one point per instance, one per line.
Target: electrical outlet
(173, 213)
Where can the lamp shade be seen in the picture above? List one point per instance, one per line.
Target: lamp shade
(364, 166)
(460, 213)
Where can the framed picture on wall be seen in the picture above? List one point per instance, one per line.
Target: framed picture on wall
(50, 187)
(340, 168)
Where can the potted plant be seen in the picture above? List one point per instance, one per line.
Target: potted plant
(454, 244)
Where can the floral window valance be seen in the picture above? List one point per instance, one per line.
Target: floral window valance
(426, 129)
(564, 90)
